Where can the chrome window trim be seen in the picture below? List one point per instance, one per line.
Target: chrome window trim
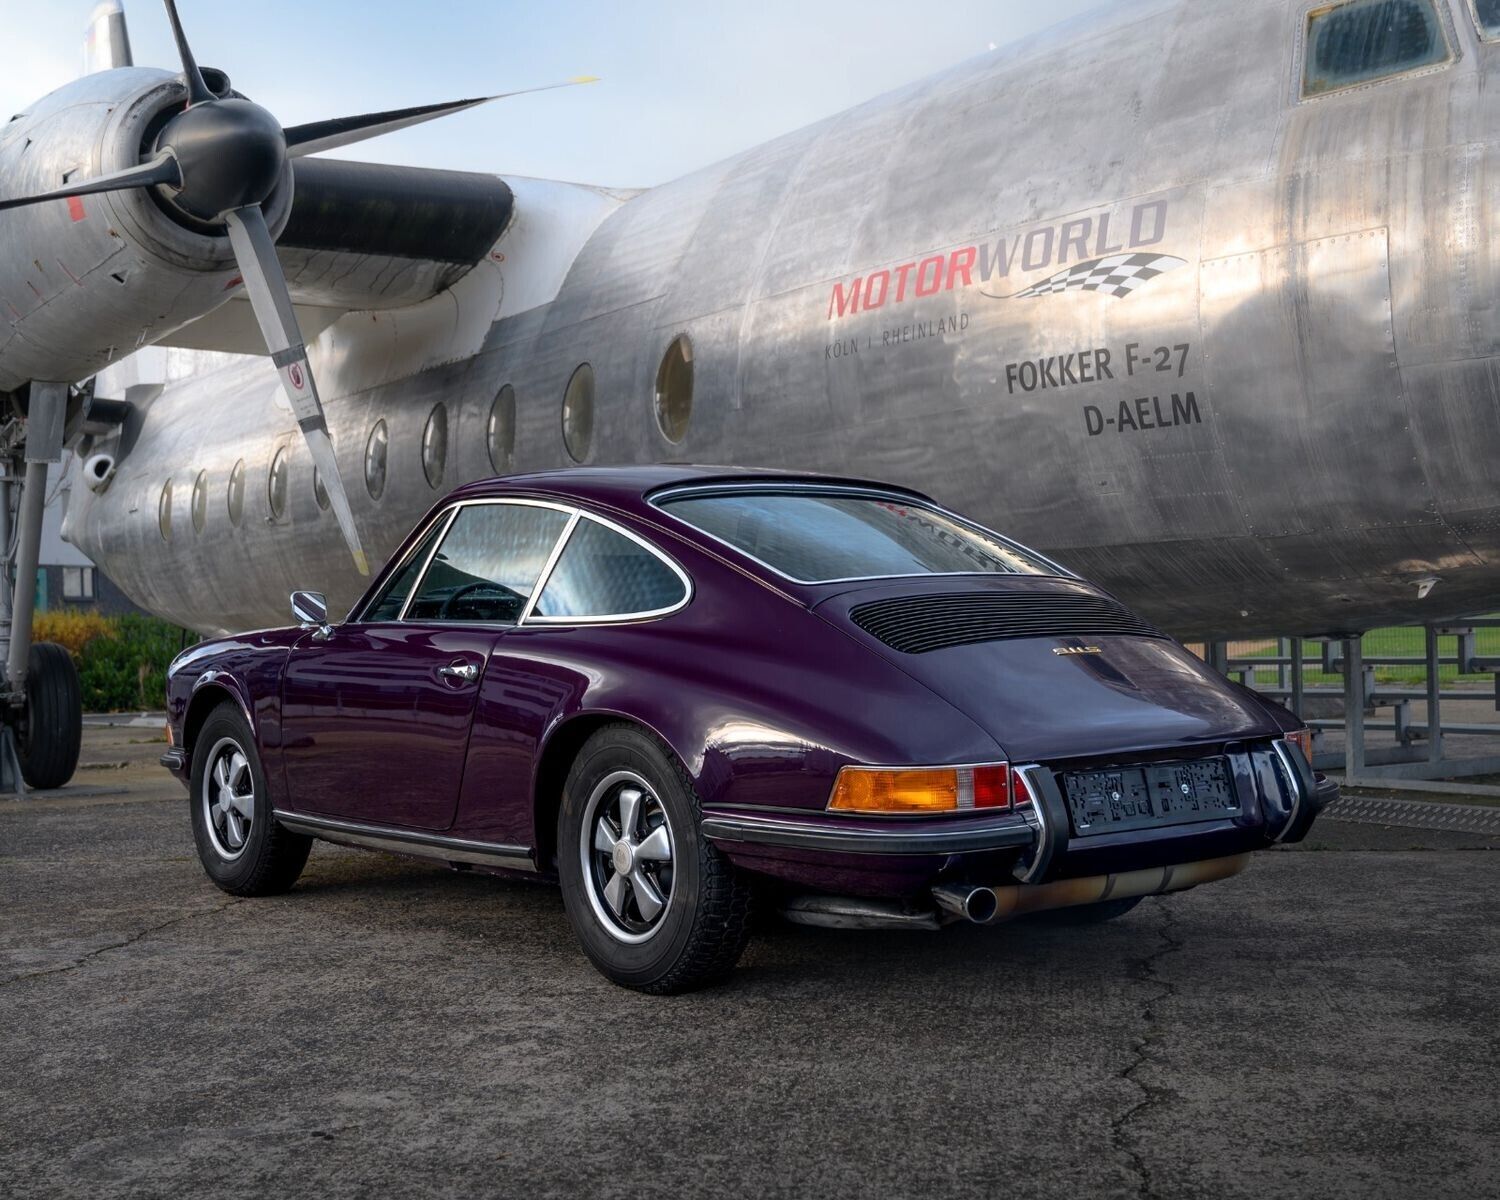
(1300, 94)
(527, 617)
(679, 491)
(447, 519)
(549, 566)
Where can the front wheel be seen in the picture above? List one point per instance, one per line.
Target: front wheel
(655, 906)
(51, 732)
(242, 848)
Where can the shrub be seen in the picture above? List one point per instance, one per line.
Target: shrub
(122, 661)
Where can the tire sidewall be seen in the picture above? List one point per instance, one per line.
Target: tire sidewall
(228, 722)
(641, 963)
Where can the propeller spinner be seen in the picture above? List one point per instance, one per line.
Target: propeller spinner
(219, 160)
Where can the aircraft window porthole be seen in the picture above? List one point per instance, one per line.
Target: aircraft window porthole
(1487, 14)
(164, 512)
(200, 502)
(435, 446)
(320, 493)
(276, 485)
(674, 390)
(237, 493)
(501, 431)
(578, 413)
(376, 450)
(1364, 40)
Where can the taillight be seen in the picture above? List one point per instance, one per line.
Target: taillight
(922, 789)
(1302, 739)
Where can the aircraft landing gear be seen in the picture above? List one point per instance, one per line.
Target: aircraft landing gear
(41, 707)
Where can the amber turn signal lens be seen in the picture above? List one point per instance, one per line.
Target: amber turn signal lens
(1302, 739)
(921, 789)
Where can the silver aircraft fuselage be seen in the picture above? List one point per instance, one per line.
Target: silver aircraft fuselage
(1285, 420)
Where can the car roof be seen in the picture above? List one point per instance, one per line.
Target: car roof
(629, 487)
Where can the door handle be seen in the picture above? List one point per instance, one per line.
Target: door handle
(468, 672)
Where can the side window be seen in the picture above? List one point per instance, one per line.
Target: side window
(601, 573)
(388, 607)
(1364, 40)
(488, 564)
(1487, 13)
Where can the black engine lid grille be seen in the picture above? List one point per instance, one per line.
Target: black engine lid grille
(917, 624)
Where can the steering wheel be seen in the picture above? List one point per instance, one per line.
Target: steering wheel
(500, 590)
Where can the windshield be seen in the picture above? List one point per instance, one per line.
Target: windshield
(816, 537)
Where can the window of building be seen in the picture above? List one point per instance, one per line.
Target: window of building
(237, 493)
(78, 583)
(200, 502)
(602, 573)
(1364, 40)
(500, 435)
(674, 390)
(276, 484)
(435, 446)
(164, 511)
(376, 449)
(578, 413)
(1487, 15)
(488, 563)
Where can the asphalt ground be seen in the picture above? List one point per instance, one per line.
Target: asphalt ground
(1324, 1025)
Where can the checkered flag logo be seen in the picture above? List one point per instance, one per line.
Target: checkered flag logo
(1117, 274)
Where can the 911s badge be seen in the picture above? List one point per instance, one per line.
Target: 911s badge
(1077, 650)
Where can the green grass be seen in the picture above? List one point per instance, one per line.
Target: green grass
(1400, 641)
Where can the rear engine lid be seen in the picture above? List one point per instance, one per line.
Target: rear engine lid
(1051, 668)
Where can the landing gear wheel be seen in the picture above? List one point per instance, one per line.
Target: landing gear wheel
(655, 906)
(51, 729)
(242, 848)
(1088, 914)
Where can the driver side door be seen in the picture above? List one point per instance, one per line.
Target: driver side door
(377, 716)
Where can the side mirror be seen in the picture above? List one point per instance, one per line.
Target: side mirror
(310, 610)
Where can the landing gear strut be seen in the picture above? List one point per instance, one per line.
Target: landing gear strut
(41, 710)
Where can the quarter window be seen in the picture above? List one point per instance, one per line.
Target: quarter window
(393, 599)
(500, 434)
(578, 413)
(237, 493)
(376, 449)
(488, 564)
(435, 446)
(276, 484)
(601, 573)
(1365, 40)
(674, 390)
(1487, 13)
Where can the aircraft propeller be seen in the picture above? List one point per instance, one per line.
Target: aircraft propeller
(219, 160)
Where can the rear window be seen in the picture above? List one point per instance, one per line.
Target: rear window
(1366, 40)
(602, 573)
(820, 537)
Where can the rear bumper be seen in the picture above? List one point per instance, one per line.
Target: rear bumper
(1280, 799)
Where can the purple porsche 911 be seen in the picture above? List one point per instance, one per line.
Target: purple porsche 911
(684, 691)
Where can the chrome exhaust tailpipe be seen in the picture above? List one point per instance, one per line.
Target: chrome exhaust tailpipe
(964, 901)
(986, 906)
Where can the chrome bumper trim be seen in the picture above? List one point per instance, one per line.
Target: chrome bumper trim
(1010, 831)
(409, 841)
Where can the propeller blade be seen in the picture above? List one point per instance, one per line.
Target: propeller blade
(302, 140)
(255, 254)
(198, 92)
(162, 169)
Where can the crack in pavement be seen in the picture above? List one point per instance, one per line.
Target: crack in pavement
(1142, 1047)
(129, 941)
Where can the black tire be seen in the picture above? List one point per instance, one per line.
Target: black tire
(701, 932)
(266, 859)
(1088, 914)
(51, 731)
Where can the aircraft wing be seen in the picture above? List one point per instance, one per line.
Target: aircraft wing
(366, 236)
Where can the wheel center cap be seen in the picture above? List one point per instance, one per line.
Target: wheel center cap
(624, 858)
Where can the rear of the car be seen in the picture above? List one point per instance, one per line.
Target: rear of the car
(1128, 766)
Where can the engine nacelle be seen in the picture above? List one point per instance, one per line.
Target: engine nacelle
(85, 282)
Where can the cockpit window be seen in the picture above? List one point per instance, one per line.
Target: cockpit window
(1365, 40)
(1487, 13)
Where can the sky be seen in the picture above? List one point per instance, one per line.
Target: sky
(683, 84)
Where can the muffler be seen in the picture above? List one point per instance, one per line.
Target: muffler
(991, 905)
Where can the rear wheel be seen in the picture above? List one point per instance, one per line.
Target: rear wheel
(51, 729)
(242, 848)
(1088, 914)
(655, 906)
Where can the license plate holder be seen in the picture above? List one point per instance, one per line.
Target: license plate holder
(1150, 796)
